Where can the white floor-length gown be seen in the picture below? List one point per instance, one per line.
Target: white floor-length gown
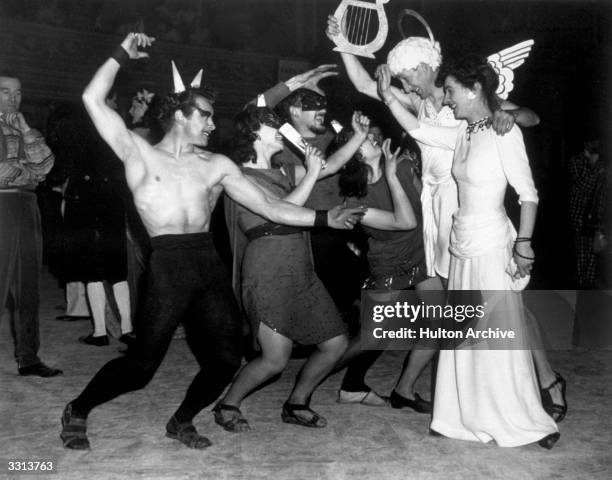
(489, 394)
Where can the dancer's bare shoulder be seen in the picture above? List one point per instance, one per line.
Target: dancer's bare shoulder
(217, 163)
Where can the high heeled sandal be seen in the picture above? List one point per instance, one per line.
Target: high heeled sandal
(237, 423)
(555, 410)
(288, 416)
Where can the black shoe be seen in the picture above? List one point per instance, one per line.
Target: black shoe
(71, 318)
(39, 369)
(549, 440)
(418, 404)
(100, 341)
(128, 338)
(74, 430)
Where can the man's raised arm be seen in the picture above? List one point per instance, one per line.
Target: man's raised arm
(108, 123)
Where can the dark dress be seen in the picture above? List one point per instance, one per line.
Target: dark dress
(279, 285)
(396, 257)
(341, 271)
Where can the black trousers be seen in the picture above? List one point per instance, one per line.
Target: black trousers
(20, 260)
(188, 283)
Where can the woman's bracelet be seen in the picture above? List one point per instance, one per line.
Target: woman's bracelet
(522, 256)
(522, 239)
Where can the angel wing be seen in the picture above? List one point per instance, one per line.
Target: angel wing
(506, 61)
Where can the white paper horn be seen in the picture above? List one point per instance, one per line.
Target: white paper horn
(197, 80)
(179, 86)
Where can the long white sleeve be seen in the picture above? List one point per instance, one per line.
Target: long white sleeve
(515, 164)
(435, 135)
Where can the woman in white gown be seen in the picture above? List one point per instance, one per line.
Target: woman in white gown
(487, 394)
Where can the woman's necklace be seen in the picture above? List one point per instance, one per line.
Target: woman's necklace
(477, 126)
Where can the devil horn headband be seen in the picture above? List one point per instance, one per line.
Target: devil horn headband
(179, 86)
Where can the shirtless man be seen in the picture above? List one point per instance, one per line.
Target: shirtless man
(175, 186)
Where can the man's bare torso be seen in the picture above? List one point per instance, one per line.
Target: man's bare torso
(174, 195)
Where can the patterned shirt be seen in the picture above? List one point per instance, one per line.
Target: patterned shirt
(24, 159)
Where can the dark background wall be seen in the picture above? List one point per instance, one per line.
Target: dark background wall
(243, 44)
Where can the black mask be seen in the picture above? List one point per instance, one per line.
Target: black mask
(313, 101)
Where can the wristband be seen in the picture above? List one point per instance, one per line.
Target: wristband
(320, 219)
(121, 56)
(522, 239)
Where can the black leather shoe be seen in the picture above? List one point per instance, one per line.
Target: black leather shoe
(128, 338)
(549, 440)
(418, 404)
(39, 369)
(100, 341)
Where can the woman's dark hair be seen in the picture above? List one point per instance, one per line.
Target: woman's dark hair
(471, 69)
(246, 123)
(184, 101)
(353, 177)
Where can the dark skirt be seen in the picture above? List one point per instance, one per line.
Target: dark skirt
(281, 289)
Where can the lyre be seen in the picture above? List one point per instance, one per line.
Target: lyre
(356, 18)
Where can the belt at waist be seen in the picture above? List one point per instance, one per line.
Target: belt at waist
(268, 229)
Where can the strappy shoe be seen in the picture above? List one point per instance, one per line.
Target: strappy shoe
(186, 433)
(556, 411)
(237, 423)
(74, 430)
(418, 404)
(289, 416)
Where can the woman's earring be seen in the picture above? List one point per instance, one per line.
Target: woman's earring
(471, 95)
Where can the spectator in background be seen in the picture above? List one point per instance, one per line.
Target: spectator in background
(25, 159)
(586, 170)
(94, 219)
